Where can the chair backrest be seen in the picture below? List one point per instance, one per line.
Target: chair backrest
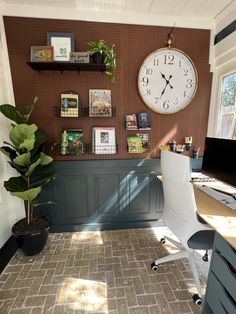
(179, 200)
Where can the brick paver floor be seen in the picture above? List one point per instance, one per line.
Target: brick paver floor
(98, 272)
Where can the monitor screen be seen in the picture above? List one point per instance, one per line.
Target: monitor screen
(219, 159)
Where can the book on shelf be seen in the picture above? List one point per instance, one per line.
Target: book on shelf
(144, 140)
(144, 120)
(100, 103)
(69, 105)
(134, 144)
(131, 122)
(103, 140)
(72, 142)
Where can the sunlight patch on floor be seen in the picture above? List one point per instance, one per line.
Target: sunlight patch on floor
(84, 295)
(87, 236)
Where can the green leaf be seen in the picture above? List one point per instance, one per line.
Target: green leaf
(42, 181)
(15, 184)
(12, 113)
(22, 160)
(28, 109)
(9, 152)
(20, 169)
(32, 167)
(40, 138)
(28, 144)
(42, 160)
(23, 136)
(28, 195)
(45, 159)
(42, 174)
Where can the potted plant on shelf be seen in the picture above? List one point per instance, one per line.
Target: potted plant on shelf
(102, 54)
(35, 168)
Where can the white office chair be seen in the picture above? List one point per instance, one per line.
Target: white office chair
(180, 214)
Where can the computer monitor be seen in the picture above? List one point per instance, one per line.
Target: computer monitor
(219, 159)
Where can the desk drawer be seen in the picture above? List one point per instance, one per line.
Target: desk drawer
(224, 273)
(225, 249)
(218, 298)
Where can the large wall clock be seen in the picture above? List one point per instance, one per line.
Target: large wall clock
(167, 80)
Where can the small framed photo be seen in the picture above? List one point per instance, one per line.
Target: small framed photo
(41, 54)
(63, 44)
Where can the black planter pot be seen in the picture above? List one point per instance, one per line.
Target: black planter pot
(97, 58)
(33, 242)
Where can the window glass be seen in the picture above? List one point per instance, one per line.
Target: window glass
(227, 128)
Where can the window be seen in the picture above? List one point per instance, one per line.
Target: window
(227, 126)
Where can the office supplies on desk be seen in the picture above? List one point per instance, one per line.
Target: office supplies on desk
(224, 198)
(200, 177)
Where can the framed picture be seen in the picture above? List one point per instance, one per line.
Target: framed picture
(41, 54)
(63, 44)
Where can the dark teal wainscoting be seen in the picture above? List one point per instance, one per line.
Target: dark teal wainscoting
(106, 194)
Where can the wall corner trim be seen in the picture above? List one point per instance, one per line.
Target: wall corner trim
(7, 252)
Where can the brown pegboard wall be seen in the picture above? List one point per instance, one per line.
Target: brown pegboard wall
(132, 43)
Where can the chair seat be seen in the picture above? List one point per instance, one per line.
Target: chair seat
(202, 240)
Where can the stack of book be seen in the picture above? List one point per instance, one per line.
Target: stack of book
(103, 140)
(72, 142)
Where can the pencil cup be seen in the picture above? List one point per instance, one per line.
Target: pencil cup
(195, 154)
(172, 147)
(188, 146)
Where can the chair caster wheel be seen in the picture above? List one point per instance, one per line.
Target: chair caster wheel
(163, 240)
(205, 258)
(197, 300)
(154, 267)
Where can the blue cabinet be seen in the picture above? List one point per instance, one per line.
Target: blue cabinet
(106, 194)
(220, 295)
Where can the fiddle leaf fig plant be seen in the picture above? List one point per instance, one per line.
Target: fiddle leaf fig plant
(26, 155)
(108, 54)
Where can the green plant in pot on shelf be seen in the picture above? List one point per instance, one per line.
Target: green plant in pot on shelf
(26, 155)
(102, 54)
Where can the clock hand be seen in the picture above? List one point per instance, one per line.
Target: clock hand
(163, 76)
(167, 83)
(162, 93)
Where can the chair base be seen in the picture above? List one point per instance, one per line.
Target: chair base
(178, 255)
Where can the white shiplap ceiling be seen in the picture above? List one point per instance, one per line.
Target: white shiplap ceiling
(180, 8)
(205, 14)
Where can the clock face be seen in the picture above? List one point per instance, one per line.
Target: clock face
(167, 80)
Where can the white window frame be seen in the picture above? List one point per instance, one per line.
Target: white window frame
(232, 122)
(217, 85)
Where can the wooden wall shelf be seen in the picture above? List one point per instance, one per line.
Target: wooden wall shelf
(66, 66)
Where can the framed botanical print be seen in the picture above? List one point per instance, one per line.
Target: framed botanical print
(63, 44)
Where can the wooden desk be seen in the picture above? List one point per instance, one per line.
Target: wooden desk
(217, 215)
(220, 297)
